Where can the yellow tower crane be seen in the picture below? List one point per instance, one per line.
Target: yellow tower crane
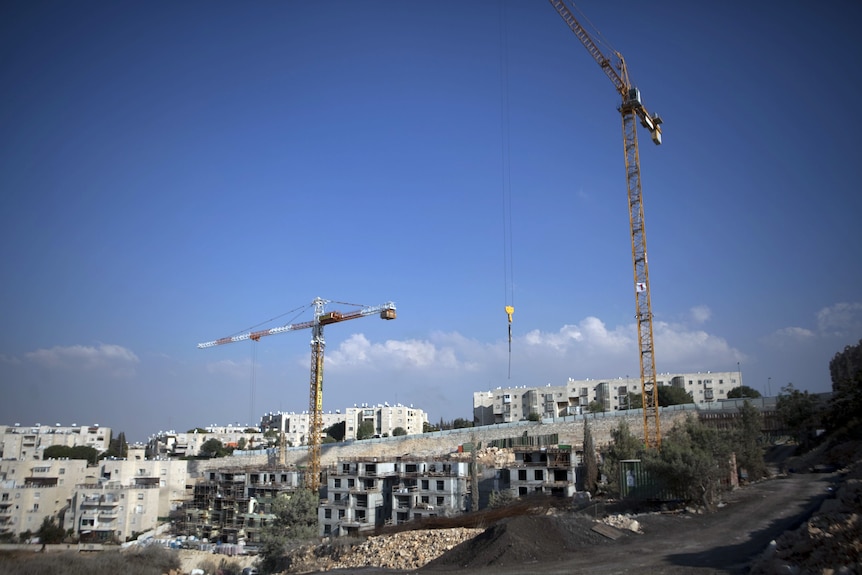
(315, 409)
(632, 109)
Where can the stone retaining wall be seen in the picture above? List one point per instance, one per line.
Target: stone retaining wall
(570, 431)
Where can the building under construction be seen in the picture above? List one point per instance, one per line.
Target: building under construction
(232, 505)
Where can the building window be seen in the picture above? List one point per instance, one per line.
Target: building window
(439, 485)
(336, 482)
(327, 513)
(140, 496)
(62, 471)
(441, 500)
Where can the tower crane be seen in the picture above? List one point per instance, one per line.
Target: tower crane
(632, 110)
(315, 409)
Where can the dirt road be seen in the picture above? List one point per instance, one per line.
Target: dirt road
(722, 542)
(725, 542)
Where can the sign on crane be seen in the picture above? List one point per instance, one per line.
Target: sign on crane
(631, 109)
(315, 409)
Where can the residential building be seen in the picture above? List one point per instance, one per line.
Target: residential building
(506, 404)
(232, 505)
(366, 493)
(384, 418)
(189, 444)
(547, 470)
(30, 491)
(28, 443)
(109, 512)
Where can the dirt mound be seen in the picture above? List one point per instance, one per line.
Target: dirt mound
(524, 539)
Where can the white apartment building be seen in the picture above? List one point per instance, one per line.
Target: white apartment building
(188, 444)
(384, 417)
(113, 512)
(506, 404)
(108, 501)
(31, 490)
(20, 442)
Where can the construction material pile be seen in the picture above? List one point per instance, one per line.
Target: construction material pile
(404, 550)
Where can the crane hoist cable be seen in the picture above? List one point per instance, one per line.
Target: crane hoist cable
(508, 269)
(253, 382)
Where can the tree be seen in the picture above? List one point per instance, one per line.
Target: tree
(799, 414)
(667, 395)
(591, 465)
(197, 430)
(534, 416)
(241, 443)
(117, 447)
(295, 520)
(398, 431)
(428, 427)
(50, 532)
(743, 391)
(251, 430)
(461, 423)
(692, 462)
(845, 410)
(365, 430)
(623, 446)
(91, 454)
(214, 448)
(747, 442)
(596, 407)
(336, 431)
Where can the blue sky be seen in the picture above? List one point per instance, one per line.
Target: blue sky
(172, 173)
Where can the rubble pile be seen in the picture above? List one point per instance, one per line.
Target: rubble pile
(404, 550)
(626, 522)
(829, 542)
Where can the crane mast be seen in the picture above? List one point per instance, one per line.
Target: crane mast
(632, 111)
(315, 403)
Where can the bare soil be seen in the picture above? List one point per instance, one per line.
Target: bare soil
(726, 541)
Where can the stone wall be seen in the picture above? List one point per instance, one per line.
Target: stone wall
(570, 431)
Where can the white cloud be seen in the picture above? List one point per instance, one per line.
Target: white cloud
(113, 359)
(790, 335)
(700, 314)
(357, 351)
(683, 350)
(588, 349)
(841, 319)
(233, 369)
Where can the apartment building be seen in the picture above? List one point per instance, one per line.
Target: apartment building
(384, 418)
(232, 505)
(28, 443)
(107, 512)
(30, 491)
(506, 404)
(169, 476)
(295, 426)
(188, 444)
(546, 470)
(364, 494)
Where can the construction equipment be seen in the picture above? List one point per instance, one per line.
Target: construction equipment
(315, 409)
(631, 109)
